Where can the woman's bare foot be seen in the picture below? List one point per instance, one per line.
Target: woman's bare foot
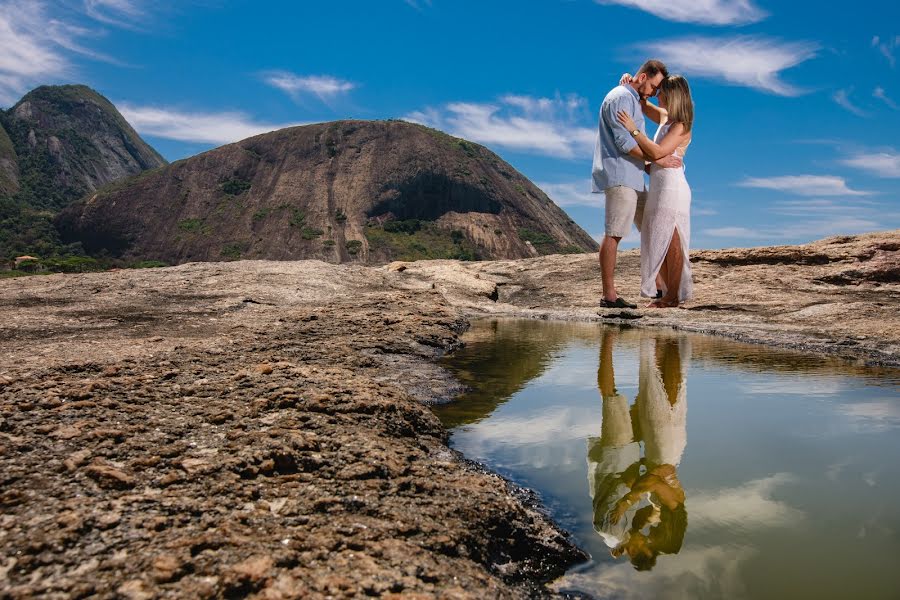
(663, 303)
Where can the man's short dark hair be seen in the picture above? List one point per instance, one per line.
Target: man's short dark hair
(652, 68)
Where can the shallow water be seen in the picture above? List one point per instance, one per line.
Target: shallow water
(713, 469)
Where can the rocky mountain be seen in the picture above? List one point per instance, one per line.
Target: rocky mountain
(343, 191)
(57, 144)
(9, 165)
(70, 140)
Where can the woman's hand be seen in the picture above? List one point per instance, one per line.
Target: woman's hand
(626, 79)
(626, 120)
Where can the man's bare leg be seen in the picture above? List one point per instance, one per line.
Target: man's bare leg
(606, 379)
(609, 248)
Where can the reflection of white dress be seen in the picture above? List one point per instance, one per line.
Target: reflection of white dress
(663, 425)
(668, 206)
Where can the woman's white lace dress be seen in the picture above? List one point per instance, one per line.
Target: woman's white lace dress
(668, 207)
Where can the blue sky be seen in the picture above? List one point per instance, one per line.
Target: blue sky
(797, 132)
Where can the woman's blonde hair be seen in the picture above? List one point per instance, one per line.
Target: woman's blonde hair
(679, 105)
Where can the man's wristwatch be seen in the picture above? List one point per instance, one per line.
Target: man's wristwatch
(636, 132)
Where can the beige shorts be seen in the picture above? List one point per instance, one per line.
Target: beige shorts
(624, 206)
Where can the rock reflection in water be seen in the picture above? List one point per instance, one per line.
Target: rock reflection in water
(639, 503)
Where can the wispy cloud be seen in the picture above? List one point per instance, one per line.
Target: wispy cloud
(804, 185)
(126, 14)
(704, 12)
(29, 51)
(37, 44)
(842, 97)
(209, 128)
(741, 233)
(322, 86)
(886, 47)
(809, 228)
(548, 126)
(419, 4)
(882, 164)
(755, 62)
(572, 194)
(826, 207)
(879, 93)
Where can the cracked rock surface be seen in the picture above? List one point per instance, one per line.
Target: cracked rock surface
(245, 429)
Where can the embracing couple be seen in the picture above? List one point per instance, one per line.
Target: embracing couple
(622, 154)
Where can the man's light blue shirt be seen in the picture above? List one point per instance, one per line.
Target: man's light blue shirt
(612, 164)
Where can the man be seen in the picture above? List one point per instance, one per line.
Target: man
(618, 169)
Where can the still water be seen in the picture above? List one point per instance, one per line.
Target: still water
(690, 466)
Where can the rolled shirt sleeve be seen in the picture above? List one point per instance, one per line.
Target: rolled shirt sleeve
(622, 138)
(612, 165)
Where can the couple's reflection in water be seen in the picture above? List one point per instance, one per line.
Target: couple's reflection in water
(639, 504)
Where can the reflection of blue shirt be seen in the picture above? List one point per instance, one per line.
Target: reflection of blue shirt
(612, 164)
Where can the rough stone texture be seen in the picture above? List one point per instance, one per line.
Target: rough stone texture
(260, 428)
(221, 430)
(309, 192)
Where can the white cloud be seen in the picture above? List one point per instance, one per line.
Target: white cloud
(29, 54)
(744, 233)
(35, 45)
(873, 416)
(811, 226)
(882, 164)
(754, 62)
(748, 506)
(704, 12)
(549, 126)
(879, 93)
(573, 194)
(886, 48)
(842, 97)
(323, 86)
(210, 128)
(820, 206)
(804, 185)
(120, 13)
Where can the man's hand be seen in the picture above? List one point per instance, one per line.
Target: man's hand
(670, 162)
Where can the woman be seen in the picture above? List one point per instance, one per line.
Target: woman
(666, 226)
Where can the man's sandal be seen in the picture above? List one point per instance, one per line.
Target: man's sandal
(617, 303)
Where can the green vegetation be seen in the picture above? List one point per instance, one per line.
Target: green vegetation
(233, 250)
(328, 243)
(234, 186)
(537, 238)
(339, 216)
(261, 214)
(353, 246)
(190, 225)
(419, 240)
(571, 249)
(297, 218)
(469, 148)
(409, 226)
(149, 264)
(311, 233)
